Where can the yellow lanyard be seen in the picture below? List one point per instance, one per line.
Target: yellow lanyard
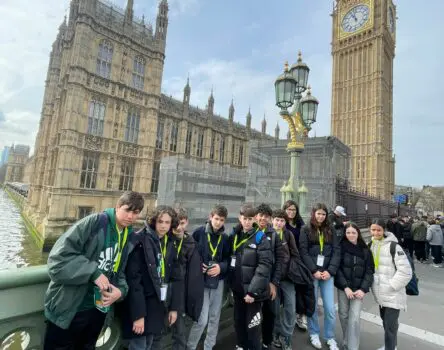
(120, 246)
(321, 241)
(280, 233)
(376, 256)
(162, 262)
(178, 248)
(214, 250)
(235, 246)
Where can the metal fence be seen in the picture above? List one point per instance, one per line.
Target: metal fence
(362, 208)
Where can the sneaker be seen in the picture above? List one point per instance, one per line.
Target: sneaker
(265, 347)
(301, 322)
(436, 265)
(332, 345)
(239, 347)
(276, 341)
(285, 343)
(383, 348)
(315, 341)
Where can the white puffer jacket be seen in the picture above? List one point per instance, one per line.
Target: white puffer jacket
(389, 282)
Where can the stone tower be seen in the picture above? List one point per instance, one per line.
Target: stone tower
(96, 135)
(363, 49)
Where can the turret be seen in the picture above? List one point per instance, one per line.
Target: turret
(162, 20)
(129, 12)
(187, 93)
(231, 112)
(249, 119)
(210, 107)
(264, 126)
(276, 132)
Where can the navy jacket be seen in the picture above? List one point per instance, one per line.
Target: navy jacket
(222, 256)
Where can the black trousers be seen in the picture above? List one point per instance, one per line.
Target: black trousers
(247, 323)
(420, 250)
(267, 322)
(408, 244)
(436, 253)
(178, 333)
(390, 322)
(82, 333)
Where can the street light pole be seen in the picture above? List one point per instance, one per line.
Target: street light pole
(290, 87)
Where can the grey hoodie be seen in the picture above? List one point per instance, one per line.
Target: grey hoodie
(434, 235)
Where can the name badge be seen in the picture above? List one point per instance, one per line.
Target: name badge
(163, 291)
(98, 302)
(233, 261)
(320, 260)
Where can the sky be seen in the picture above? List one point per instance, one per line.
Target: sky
(238, 48)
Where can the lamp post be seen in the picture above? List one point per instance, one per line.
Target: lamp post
(292, 90)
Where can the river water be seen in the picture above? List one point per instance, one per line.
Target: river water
(17, 246)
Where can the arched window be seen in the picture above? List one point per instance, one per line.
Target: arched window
(138, 72)
(104, 59)
(132, 126)
(96, 117)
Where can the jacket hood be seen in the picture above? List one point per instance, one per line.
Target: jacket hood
(111, 212)
(389, 237)
(209, 229)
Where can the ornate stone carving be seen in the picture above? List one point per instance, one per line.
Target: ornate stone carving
(93, 143)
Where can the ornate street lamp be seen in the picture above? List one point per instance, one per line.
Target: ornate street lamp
(290, 87)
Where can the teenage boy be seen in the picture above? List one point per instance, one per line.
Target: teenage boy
(263, 218)
(285, 321)
(190, 260)
(86, 267)
(250, 270)
(214, 249)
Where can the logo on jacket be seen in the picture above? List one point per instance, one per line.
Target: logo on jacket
(255, 321)
(252, 245)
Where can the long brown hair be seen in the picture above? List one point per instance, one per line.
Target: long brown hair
(361, 241)
(324, 227)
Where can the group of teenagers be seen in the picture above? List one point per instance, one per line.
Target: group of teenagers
(275, 265)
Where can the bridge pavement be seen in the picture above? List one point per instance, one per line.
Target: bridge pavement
(421, 327)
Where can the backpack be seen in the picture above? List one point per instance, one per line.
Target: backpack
(412, 288)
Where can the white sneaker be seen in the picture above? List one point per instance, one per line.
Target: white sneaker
(383, 348)
(301, 322)
(332, 344)
(315, 341)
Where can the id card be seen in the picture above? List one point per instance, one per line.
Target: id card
(98, 301)
(163, 291)
(233, 261)
(320, 260)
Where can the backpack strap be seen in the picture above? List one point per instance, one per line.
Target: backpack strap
(103, 221)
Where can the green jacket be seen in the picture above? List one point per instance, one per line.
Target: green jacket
(73, 264)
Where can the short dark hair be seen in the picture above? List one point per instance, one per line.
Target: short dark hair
(159, 211)
(379, 222)
(133, 200)
(247, 210)
(219, 210)
(182, 214)
(281, 214)
(264, 209)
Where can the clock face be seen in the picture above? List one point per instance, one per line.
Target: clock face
(391, 20)
(355, 18)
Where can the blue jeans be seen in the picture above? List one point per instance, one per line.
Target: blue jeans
(285, 319)
(148, 342)
(328, 299)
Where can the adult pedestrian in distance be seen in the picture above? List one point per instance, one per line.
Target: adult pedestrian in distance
(86, 267)
(353, 280)
(336, 219)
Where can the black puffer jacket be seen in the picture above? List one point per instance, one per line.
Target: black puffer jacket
(279, 255)
(356, 268)
(252, 271)
(311, 249)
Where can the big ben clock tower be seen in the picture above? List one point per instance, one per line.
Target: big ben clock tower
(363, 49)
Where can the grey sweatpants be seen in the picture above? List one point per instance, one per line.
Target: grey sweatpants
(349, 314)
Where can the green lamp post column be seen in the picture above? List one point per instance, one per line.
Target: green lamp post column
(290, 87)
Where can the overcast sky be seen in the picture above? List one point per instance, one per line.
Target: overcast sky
(239, 48)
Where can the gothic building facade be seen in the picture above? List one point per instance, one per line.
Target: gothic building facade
(18, 156)
(363, 50)
(105, 125)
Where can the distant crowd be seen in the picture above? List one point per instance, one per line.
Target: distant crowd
(275, 265)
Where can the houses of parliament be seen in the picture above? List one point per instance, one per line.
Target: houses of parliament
(105, 125)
